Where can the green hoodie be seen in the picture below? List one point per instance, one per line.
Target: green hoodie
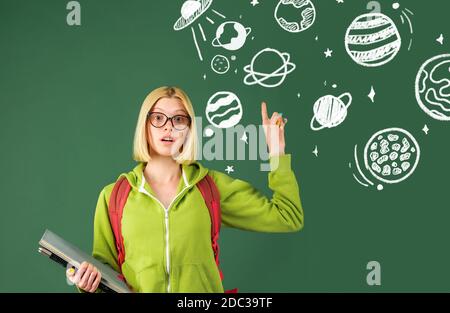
(169, 249)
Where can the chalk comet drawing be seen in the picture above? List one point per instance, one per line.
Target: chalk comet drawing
(330, 111)
(224, 40)
(304, 9)
(269, 79)
(224, 109)
(191, 11)
(391, 155)
(433, 87)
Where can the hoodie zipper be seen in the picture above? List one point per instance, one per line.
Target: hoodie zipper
(166, 220)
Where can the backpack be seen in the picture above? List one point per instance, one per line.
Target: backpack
(210, 194)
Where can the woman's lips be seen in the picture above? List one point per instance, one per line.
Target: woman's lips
(167, 141)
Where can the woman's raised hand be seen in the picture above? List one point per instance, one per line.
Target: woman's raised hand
(274, 131)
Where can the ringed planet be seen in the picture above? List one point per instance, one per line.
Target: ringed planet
(273, 77)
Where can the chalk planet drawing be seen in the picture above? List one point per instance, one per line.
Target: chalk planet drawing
(330, 111)
(391, 155)
(372, 40)
(224, 109)
(220, 64)
(303, 9)
(281, 67)
(433, 87)
(231, 35)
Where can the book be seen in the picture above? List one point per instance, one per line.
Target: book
(64, 252)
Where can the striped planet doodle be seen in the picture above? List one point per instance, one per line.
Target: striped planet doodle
(433, 87)
(330, 111)
(224, 109)
(372, 40)
(391, 155)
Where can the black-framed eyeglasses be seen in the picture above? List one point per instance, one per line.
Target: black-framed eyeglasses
(159, 119)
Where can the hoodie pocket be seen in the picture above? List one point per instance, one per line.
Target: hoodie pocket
(152, 279)
(191, 278)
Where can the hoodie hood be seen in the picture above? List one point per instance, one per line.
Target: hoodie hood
(191, 174)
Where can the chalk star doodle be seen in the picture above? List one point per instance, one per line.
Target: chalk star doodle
(328, 53)
(372, 94)
(244, 138)
(425, 129)
(316, 151)
(229, 169)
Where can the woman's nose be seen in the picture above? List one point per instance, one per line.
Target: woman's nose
(168, 125)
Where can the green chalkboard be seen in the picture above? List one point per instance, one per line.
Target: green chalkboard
(71, 94)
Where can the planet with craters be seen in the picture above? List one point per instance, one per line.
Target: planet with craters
(391, 155)
(220, 64)
(433, 87)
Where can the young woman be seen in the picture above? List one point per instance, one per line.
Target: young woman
(166, 226)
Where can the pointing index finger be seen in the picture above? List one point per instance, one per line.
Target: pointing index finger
(264, 111)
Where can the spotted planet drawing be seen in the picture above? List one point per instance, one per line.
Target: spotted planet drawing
(433, 87)
(391, 155)
(372, 39)
(258, 72)
(220, 64)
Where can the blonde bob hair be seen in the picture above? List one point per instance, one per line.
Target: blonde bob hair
(141, 145)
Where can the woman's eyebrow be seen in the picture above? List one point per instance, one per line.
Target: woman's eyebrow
(179, 110)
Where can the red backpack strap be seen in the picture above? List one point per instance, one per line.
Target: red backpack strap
(212, 199)
(211, 196)
(117, 202)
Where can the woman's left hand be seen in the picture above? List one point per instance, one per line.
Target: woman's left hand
(274, 131)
